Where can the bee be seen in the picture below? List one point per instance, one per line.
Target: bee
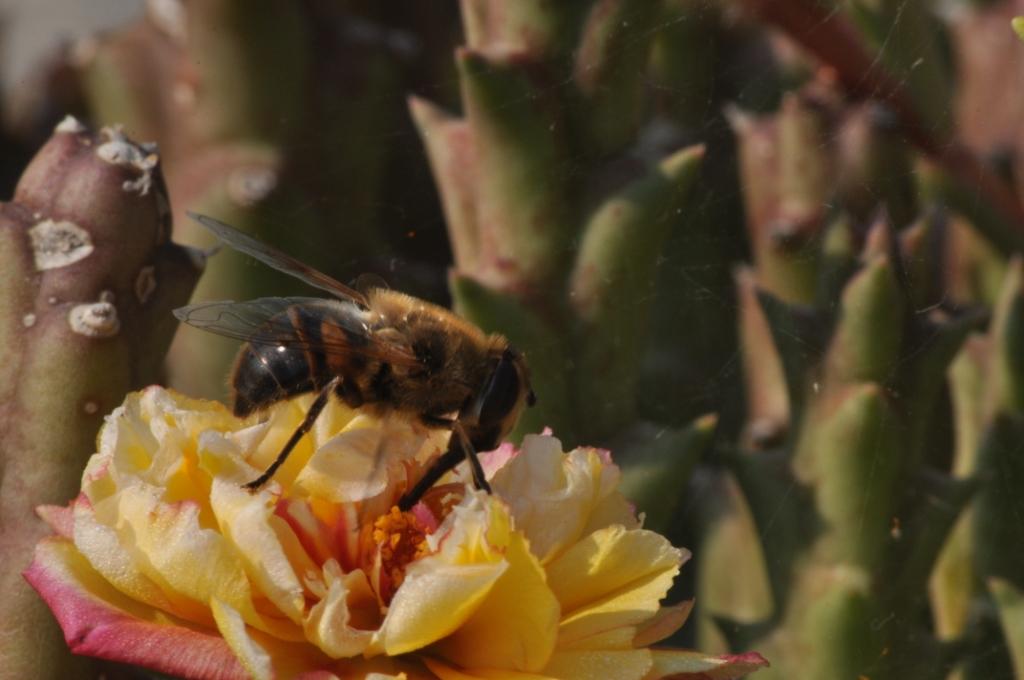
(382, 351)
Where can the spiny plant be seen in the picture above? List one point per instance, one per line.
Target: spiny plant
(877, 239)
(560, 202)
(88, 276)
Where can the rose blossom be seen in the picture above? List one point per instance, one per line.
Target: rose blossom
(165, 561)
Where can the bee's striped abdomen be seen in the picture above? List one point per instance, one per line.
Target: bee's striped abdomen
(266, 373)
(347, 359)
(316, 344)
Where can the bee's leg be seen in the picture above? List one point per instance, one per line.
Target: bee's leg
(314, 410)
(445, 462)
(459, 449)
(479, 480)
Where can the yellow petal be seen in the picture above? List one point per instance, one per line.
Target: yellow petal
(476, 530)
(349, 467)
(666, 622)
(311, 530)
(516, 625)
(622, 637)
(626, 608)
(100, 546)
(301, 561)
(156, 428)
(282, 422)
(611, 510)
(613, 578)
(244, 520)
(441, 591)
(549, 498)
(330, 622)
(554, 496)
(608, 561)
(632, 664)
(264, 656)
(172, 549)
(255, 659)
(433, 601)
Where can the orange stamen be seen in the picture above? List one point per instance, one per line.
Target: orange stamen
(400, 539)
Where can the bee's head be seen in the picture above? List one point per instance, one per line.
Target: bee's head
(505, 392)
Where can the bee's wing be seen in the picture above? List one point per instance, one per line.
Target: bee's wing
(265, 321)
(282, 262)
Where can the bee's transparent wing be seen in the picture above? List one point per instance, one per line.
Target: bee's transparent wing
(282, 262)
(329, 326)
(260, 321)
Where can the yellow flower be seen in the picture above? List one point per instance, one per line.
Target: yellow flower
(165, 561)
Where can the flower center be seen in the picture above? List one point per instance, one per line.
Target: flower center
(400, 538)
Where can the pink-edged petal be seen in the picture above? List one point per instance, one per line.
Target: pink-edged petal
(60, 518)
(492, 461)
(425, 517)
(99, 621)
(318, 542)
(690, 665)
(666, 622)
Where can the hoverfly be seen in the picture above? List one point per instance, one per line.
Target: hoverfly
(383, 351)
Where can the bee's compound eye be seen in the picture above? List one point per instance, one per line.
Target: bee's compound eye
(501, 394)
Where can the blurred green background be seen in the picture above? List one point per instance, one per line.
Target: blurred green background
(766, 252)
